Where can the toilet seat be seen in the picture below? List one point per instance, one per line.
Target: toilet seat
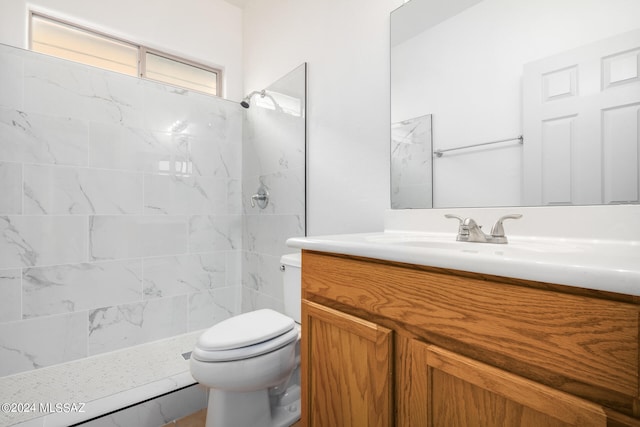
(246, 335)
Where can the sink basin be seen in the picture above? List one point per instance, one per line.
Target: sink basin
(515, 246)
(440, 241)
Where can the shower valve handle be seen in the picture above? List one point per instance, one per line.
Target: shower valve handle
(261, 198)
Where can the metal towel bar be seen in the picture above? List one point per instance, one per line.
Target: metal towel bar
(439, 153)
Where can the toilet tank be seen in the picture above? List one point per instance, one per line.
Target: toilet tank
(290, 265)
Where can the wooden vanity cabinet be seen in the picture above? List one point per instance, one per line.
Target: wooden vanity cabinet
(389, 344)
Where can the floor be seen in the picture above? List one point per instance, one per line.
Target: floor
(193, 420)
(198, 420)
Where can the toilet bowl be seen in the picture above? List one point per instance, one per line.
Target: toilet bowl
(250, 362)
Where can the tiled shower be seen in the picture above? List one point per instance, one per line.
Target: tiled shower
(124, 215)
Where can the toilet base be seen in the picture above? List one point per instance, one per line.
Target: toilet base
(253, 409)
(238, 409)
(287, 411)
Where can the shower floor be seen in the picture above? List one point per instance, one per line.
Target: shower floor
(101, 384)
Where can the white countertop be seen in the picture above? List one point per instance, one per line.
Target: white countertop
(594, 247)
(606, 265)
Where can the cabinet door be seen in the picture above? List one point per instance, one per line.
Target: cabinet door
(453, 390)
(346, 370)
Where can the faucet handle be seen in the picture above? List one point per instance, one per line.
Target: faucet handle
(464, 222)
(452, 216)
(498, 229)
(463, 227)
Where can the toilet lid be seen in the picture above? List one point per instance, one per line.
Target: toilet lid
(244, 330)
(248, 351)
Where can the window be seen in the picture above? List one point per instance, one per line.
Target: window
(75, 43)
(179, 72)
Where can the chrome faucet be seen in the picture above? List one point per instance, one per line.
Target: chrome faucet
(470, 231)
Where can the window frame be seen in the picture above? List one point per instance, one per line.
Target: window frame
(142, 52)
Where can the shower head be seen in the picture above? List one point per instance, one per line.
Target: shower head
(247, 99)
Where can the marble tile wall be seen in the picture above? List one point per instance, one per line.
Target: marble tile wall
(274, 156)
(120, 211)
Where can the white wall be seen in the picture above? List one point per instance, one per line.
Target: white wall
(209, 31)
(346, 46)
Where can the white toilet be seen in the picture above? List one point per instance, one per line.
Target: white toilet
(251, 362)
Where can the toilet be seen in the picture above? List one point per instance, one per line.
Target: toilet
(250, 362)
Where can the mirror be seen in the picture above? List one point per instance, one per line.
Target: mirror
(530, 103)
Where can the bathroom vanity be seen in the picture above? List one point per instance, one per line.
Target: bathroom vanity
(387, 342)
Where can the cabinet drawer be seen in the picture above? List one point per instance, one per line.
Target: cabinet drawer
(566, 340)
